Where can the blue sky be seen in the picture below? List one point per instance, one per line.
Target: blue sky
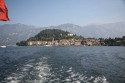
(55, 12)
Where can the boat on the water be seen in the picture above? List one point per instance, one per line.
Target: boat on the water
(48, 45)
(3, 46)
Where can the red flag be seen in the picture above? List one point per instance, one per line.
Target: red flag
(3, 11)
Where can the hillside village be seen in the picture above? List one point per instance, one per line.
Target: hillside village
(66, 42)
(57, 37)
(10, 34)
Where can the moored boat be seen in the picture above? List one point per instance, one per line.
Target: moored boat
(3, 46)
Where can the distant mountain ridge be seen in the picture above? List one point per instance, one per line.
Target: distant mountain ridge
(10, 34)
(95, 31)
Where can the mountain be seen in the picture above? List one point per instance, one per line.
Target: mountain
(10, 34)
(95, 31)
(50, 35)
(57, 34)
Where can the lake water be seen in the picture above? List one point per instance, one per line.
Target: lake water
(71, 64)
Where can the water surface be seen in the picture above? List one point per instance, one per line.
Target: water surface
(71, 64)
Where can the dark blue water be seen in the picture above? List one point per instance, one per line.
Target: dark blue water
(73, 64)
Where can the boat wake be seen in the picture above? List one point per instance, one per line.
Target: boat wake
(39, 71)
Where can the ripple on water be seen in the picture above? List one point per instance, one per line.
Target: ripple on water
(41, 72)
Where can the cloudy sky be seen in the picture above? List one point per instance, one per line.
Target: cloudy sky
(55, 12)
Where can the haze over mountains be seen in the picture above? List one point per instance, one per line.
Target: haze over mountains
(10, 34)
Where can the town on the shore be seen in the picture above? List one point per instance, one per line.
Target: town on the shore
(56, 37)
(66, 42)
